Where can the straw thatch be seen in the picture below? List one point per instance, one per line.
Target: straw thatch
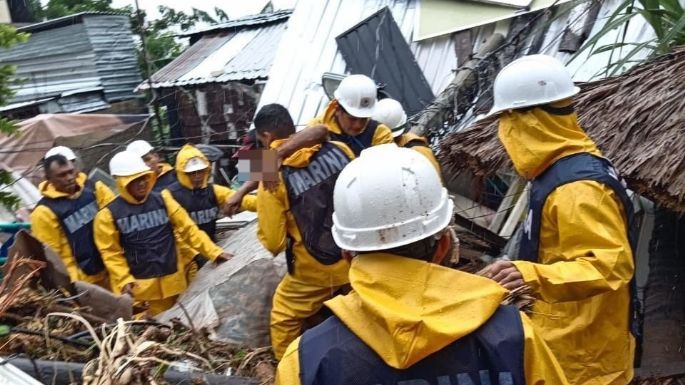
(637, 119)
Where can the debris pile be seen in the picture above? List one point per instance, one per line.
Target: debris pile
(50, 325)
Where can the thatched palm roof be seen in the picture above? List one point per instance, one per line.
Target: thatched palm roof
(637, 119)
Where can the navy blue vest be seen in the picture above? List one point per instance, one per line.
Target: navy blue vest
(146, 235)
(330, 354)
(201, 205)
(573, 168)
(359, 142)
(164, 181)
(76, 218)
(310, 193)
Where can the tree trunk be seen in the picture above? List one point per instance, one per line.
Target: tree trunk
(664, 317)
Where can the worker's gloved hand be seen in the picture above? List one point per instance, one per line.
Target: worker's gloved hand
(505, 273)
(223, 257)
(129, 288)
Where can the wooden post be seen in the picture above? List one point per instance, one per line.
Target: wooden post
(464, 79)
(515, 216)
(506, 206)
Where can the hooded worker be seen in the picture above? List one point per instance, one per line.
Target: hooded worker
(200, 198)
(409, 320)
(296, 217)
(136, 237)
(576, 251)
(391, 113)
(164, 171)
(348, 116)
(347, 119)
(63, 218)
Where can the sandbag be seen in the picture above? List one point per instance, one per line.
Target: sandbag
(233, 300)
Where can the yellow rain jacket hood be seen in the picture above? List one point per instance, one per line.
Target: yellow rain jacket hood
(585, 259)
(160, 289)
(426, 151)
(536, 139)
(400, 309)
(222, 193)
(383, 134)
(186, 153)
(45, 227)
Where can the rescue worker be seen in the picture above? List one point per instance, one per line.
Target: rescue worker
(202, 200)
(63, 218)
(346, 119)
(165, 172)
(101, 189)
(296, 217)
(576, 251)
(409, 320)
(348, 116)
(135, 236)
(391, 113)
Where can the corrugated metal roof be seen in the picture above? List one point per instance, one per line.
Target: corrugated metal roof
(243, 22)
(308, 50)
(222, 57)
(63, 21)
(375, 47)
(96, 51)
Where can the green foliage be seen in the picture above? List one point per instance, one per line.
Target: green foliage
(8, 37)
(667, 19)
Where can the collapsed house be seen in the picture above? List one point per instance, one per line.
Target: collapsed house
(212, 89)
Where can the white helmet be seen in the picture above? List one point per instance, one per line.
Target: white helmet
(357, 95)
(61, 150)
(531, 81)
(391, 113)
(139, 147)
(127, 163)
(388, 197)
(195, 164)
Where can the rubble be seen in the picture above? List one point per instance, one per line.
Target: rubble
(53, 325)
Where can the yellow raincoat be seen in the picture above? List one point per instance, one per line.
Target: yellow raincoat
(46, 228)
(222, 193)
(586, 262)
(382, 135)
(159, 292)
(302, 294)
(406, 310)
(426, 151)
(166, 167)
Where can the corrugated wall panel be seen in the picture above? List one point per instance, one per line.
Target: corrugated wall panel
(116, 56)
(377, 48)
(52, 62)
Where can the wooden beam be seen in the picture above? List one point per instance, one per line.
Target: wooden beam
(506, 206)
(515, 216)
(464, 79)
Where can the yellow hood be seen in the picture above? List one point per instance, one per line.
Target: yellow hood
(299, 158)
(406, 309)
(535, 139)
(403, 139)
(123, 181)
(48, 190)
(328, 117)
(186, 153)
